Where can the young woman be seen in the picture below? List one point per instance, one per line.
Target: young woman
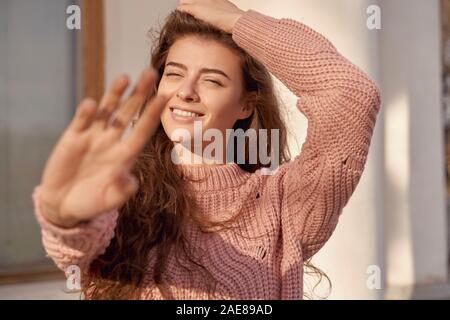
(142, 224)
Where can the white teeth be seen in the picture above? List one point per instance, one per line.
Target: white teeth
(185, 113)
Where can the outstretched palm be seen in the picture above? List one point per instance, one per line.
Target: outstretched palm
(88, 172)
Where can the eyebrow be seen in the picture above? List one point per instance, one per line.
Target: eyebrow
(203, 70)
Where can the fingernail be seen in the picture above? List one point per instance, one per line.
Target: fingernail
(146, 73)
(124, 77)
(90, 102)
(154, 73)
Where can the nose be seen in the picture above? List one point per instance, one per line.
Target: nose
(187, 93)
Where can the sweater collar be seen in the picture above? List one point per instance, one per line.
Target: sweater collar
(209, 177)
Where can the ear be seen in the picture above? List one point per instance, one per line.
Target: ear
(245, 112)
(247, 107)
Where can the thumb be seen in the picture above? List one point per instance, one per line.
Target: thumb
(130, 183)
(120, 190)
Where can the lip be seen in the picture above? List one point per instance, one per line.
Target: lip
(186, 109)
(185, 120)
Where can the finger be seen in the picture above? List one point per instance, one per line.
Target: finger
(181, 2)
(124, 186)
(84, 115)
(136, 100)
(184, 7)
(146, 126)
(110, 102)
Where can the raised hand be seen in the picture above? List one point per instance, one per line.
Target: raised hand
(220, 13)
(89, 169)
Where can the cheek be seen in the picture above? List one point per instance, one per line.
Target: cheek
(222, 117)
(223, 109)
(166, 88)
(168, 125)
(164, 121)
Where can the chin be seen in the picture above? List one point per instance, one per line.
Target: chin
(179, 133)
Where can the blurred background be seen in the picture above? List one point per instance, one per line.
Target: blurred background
(392, 241)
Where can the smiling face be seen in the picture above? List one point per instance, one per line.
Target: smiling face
(203, 80)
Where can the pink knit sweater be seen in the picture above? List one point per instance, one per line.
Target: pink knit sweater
(295, 211)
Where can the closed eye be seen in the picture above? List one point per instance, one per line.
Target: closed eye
(173, 74)
(216, 82)
(178, 75)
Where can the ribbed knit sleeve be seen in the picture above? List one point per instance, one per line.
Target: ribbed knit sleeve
(79, 245)
(341, 104)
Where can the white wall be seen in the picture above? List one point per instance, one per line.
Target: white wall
(415, 184)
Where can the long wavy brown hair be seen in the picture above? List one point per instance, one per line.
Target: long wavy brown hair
(156, 216)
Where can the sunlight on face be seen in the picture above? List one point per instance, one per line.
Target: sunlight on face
(203, 80)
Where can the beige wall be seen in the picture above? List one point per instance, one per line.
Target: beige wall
(127, 25)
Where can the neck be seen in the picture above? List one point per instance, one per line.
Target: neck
(187, 154)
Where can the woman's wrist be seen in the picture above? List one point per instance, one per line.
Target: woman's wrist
(53, 216)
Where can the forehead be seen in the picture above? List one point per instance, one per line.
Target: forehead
(195, 52)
